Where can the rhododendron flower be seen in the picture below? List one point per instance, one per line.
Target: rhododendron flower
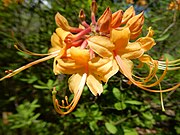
(93, 53)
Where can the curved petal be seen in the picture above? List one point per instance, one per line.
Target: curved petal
(102, 41)
(120, 38)
(132, 51)
(97, 62)
(56, 43)
(62, 33)
(112, 71)
(94, 85)
(100, 50)
(146, 43)
(128, 65)
(81, 56)
(133, 54)
(74, 82)
(66, 66)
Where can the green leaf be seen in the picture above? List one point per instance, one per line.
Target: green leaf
(130, 131)
(164, 37)
(120, 106)
(168, 56)
(177, 129)
(111, 128)
(155, 19)
(147, 115)
(40, 87)
(116, 93)
(50, 83)
(93, 125)
(133, 102)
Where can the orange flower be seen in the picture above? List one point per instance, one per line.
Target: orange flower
(93, 53)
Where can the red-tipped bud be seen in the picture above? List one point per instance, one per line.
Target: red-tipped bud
(104, 22)
(82, 15)
(116, 19)
(94, 6)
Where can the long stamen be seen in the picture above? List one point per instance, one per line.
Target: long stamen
(161, 95)
(128, 75)
(70, 107)
(28, 65)
(173, 65)
(24, 50)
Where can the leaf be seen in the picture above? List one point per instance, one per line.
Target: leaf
(116, 93)
(111, 128)
(155, 19)
(133, 102)
(130, 131)
(168, 56)
(120, 106)
(147, 115)
(165, 36)
(93, 125)
(40, 87)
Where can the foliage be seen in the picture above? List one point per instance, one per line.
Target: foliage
(121, 109)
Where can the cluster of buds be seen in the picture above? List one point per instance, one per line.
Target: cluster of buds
(93, 53)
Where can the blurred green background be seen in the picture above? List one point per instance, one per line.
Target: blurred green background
(25, 100)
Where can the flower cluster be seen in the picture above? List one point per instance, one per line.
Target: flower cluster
(174, 5)
(8, 2)
(139, 2)
(93, 53)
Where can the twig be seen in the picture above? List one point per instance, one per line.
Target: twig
(171, 25)
(124, 119)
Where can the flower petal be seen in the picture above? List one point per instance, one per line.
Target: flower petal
(146, 43)
(102, 41)
(80, 55)
(112, 71)
(74, 82)
(94, 85)
(120, 38)
(101, 51)
(62, 33)
(56, 43)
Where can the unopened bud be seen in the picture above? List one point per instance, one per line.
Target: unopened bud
(62, 22)
(129, 13)
(135, 25)
(94, 6)
(116, 19)
(82, 15)
(104, 22)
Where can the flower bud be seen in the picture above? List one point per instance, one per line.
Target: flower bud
(135, 25)
(82, 15)
(62, 22)
(129, 13)
(116, 19)
(104, 21)
(94, 6)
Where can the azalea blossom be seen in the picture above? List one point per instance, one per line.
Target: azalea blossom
(93, 53)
